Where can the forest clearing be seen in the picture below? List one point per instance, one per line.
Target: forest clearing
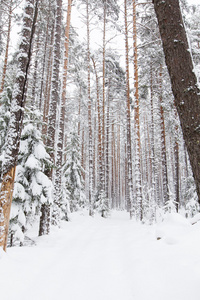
(109, 259)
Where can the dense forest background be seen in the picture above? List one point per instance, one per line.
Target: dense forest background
(98, 125)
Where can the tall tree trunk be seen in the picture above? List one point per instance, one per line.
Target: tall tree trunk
(44, 62)
(113, 197)
(89, 117)
(176, 165)
(107, 142)
(79, 113)
(83, 153)
(138, 179)
(34, 84)
(99, 146)
(154, 172)
(183, 80)
(163, 143)
(47, 87)
(119, 192)
(94, 148)
(7, 47)
(55, 96)
(16, 119)
(60, 144)
(128, 121)
(103, 96)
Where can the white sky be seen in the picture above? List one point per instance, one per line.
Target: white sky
(194, 1)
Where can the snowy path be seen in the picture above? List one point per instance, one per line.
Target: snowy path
(107, 259)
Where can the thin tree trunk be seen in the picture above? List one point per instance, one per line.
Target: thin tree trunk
(138, 179)
(107, 142)
(43, 70)
(83, 153)
(128, 120)
(45, 57)
(34, 88)
(99, 146)
(55, 95)
(176, 165)
(119, 193)
(79, 114)
(163, 143)
(47, 88)
(60, 144)
(7, 47)
(114, 200)
(94, 149)
(89, 117)
(16, 119)
(154, 172)
(103, 97)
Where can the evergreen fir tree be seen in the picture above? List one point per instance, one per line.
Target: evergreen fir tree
(102, 204)
(32, 187)
(74, 173)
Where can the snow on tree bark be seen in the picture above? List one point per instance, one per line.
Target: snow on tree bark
(103, 96)
(48, 84)
(128, 122)
(176, 165)
(60, 144)
(7, 47)
(163, 142)
(107, 169)
(138, 177)
(55, 96)
(89, 117)
(16, 119)
(99, 146)
(183, 80)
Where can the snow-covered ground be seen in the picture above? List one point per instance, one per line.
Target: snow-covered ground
(107, 259)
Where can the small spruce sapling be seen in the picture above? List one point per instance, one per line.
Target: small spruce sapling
(102, 204)
(32, 187)
(73, 173)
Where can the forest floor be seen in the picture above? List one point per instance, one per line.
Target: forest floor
(106, 259)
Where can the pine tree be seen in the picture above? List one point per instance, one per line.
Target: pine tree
(183, 80)
(128, 120)
(7, 46)
(55, 97)
(138, 178)
(61, 141)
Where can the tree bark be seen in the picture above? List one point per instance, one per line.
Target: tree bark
(99, 146)
(128, 121)
(7, 47)
(48, 85)
(154, 172)
(138, 177)
(55, 96)
(103, 97)
(89, 116)
(176, 165)
(165, 188)
(107, 142)
(183, 80)
(61, 133)
(16, 119)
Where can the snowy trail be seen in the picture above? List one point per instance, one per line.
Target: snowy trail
(107, 259)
